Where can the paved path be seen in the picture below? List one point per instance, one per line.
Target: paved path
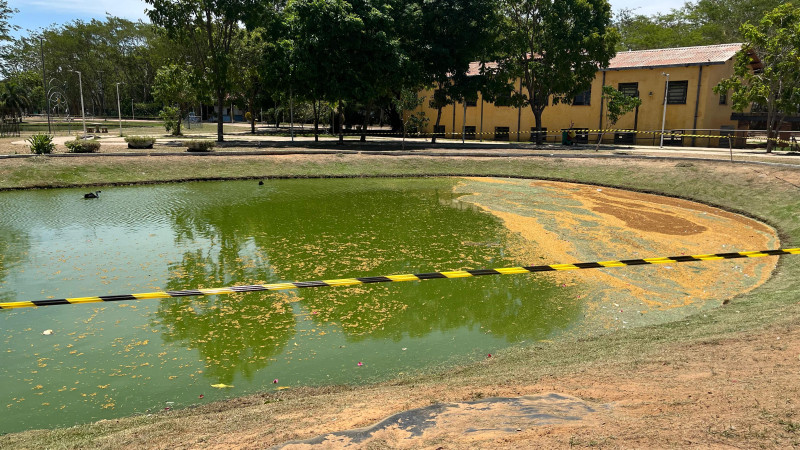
(245, 141)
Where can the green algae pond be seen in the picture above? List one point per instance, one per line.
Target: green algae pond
(69, 364)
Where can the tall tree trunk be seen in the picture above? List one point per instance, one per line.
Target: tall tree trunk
(438, 121)
(252, 111)
(341, 124)
(316, 107)
(537, 114)
(366, 123)
(220, 106)
(178, 126)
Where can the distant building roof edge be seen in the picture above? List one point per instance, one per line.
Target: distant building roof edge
(674, 57)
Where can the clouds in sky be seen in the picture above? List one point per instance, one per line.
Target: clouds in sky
(94, 8)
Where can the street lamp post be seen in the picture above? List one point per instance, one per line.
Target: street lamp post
(41, 49)
(119, 110)
(664, 114)
(83, 110)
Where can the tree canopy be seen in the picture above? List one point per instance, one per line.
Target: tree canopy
(771, 48)
(705, 22)
(208, 27)
(555, 47)
(355, 56)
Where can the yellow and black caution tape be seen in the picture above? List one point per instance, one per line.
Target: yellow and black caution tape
(674, 134)
(404, 277)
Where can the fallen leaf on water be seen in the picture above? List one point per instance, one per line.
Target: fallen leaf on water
(221, 386)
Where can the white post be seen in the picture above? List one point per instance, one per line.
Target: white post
(119, 110)
(83, 110)
(664, 114)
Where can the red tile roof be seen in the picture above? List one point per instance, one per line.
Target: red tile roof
(661, 57)
(475, 67)
(666, 57)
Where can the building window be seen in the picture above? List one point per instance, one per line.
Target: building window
(469, 132)
(723, 98)
(676, 95)
(584, 98)
(501, 133)
(438, 130)
(629, 89)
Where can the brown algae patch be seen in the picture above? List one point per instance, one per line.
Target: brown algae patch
(554, 222)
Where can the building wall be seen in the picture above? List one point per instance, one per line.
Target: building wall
(711, 115)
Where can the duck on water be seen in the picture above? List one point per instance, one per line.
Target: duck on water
(95, 194)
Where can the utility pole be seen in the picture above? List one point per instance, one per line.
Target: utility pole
(83, 110)
(119, 111)
(664, 114)
(41, 50)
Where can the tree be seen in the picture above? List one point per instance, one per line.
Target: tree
(5, 26)
(555, 47)
(250, 59)
(13, 99)
(705, 22)
(406, 103)
(617, 105)
(173, 87)
(640, 32)
(325, 50)
(452, 34)
(210, 27)
(104, 51)
(767, 69)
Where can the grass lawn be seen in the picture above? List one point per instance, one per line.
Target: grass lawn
(720, 378)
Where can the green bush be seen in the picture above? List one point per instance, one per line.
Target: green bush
(41, 144)
(172, 119)
(83, 146)
(140, 141)
(199, 146)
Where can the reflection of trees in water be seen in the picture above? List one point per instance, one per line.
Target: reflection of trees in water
(322, 229)
(14, 246)
(233, 333)
(509, 307)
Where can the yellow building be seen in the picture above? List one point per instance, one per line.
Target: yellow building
(692, 106)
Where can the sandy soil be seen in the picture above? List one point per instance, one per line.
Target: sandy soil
(733, 393)
(612, 223)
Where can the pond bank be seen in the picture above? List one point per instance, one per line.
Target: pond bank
(694, 380)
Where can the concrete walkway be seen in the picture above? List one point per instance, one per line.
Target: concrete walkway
(244, 141)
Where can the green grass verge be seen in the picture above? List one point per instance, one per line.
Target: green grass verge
(757, 191)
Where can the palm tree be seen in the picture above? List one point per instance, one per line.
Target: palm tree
(13, 99)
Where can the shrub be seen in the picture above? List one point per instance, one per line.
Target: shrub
(41, 144)
(83, 146)
(172, 119)
(140, 141)
(199, 146)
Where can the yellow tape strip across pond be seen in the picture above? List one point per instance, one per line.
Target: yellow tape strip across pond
(456, 134)
(404, 277)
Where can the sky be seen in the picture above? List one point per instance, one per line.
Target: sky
(36, 14)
